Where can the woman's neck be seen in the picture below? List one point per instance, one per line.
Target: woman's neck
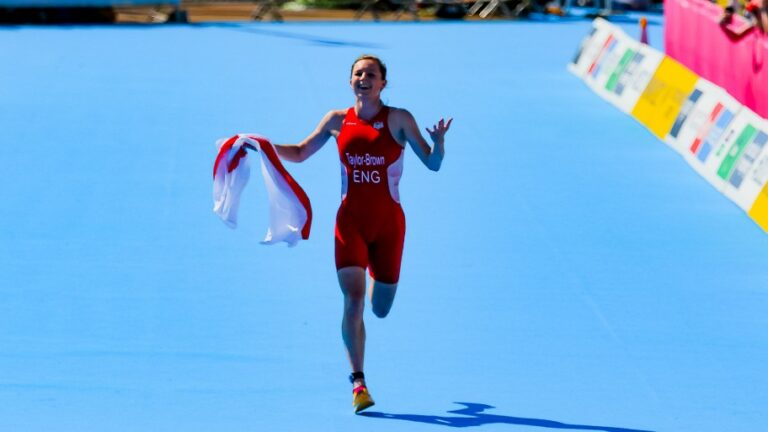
(367, 109)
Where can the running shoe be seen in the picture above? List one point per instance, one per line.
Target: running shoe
(361, 399)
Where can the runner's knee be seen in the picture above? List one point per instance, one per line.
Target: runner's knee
(382, 297)
(381, 311)
(352, 282)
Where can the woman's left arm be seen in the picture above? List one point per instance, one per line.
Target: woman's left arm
(431, 157)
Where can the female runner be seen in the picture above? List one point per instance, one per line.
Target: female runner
(370, 225)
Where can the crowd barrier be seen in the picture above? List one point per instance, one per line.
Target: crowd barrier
(720, 138)
(693, 36)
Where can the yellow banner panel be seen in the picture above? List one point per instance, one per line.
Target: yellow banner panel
(665, 94)
(759, 210)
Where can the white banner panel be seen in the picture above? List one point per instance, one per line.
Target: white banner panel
(592, 47)
(744, 168)
(632, 74)
(615, 66)
(708, 154)
(604, 68)
(703, 118)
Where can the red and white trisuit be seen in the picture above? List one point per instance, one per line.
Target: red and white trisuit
(370, 224)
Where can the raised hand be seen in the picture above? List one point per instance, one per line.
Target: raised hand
(437, 133)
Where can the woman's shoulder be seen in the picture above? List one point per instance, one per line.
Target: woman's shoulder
(399, 116)
(399, 113)
(337, 113)
(334, 116)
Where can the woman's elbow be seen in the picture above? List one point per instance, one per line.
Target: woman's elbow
(291, 153)
(300, 156)
(434, 161)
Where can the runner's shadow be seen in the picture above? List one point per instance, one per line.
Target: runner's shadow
(473, 415)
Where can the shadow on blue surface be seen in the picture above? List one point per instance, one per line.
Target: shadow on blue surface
(269, 31)
(473, 415)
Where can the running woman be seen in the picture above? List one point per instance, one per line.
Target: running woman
(370, 224)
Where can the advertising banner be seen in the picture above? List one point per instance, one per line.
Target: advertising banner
(759, 210)
(724, 141)
(592, 47)
(664, 96)
(743, 168)
(701, 122)
(613, 59)
(614, 65)
(631, 78)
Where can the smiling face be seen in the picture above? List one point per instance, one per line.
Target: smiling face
(368, 79)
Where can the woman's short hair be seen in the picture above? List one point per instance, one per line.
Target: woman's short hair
(382, 66)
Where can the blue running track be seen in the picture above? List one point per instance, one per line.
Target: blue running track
(565, 270)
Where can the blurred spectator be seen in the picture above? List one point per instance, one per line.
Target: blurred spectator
(759, 11)
(756, 13)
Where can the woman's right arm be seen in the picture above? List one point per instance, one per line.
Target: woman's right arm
(762, 17)
(328, 127)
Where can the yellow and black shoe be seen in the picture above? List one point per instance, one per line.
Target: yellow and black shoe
(361, 399)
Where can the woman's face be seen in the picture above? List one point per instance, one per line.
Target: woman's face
(366, 79)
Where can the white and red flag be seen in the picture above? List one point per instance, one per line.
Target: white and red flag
(290, 212)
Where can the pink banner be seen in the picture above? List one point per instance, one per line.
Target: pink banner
(694, 37)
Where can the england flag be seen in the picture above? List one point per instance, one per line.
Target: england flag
(290, 212)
